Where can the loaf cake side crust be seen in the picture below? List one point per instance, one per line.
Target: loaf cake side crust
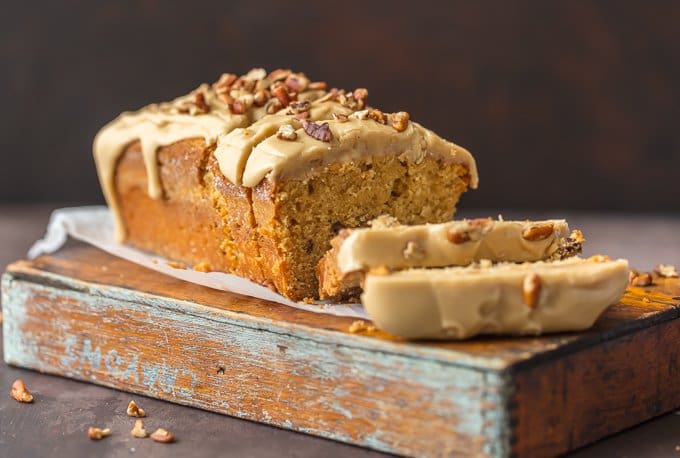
(201, 218)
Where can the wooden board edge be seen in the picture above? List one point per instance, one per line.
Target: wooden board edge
(32, 318)
(595, 392)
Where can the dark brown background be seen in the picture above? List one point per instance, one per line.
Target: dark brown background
(565, 104)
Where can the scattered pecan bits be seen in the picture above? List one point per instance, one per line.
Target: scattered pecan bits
(176, 265)
(238, 107)
(380, 270)
(260, 98)
(255, 74)
(224, 83)
(360, 115)
(297, 82)
(400, 121)
(636, 278)
(286, 132)
(666, 271)
(536, 232)
(414, 250)
(226, 98)
(317, 86)
(281, 95)
(360, 326)
(203, 267)
(569, 246)
(599, 258)
(299, 107)
(378, 116)
(279, 74)
(360, 94)
(163, 436)
(20, 393)
(531, 288)
(340, 117)
(457, 237)
(200, 104)
(97, 434)
(133, 410)
(321, 132)
(273, 106)
(139, 430)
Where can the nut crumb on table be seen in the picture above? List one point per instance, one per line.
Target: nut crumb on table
(360, 326)
(666, 271)
(20, 393)
(176, 265)
(203, 267)
(640, 278)
(133, 410)
(96, 434)
(139, 430)
(163, 436)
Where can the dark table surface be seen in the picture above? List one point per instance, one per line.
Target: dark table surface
(56, 423)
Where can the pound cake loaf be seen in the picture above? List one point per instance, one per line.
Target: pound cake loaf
(254, 175)
(461, 302)
(457, 243)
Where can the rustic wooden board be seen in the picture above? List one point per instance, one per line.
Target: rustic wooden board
(87, 315)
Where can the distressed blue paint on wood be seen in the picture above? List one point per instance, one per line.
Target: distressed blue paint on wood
(321, 363)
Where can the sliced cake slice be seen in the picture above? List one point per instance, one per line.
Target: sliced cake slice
(457, 243)
(460, 302)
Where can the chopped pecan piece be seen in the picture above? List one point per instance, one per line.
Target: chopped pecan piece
(242, 104)
(297, 82)
(536, 232)
(360, 94)
(300, 107)
(279, 74)
(20, 393)
(286, 132)
(139, 430)
(321, 132)
(96, 433)
(317, 86)
(200, 104)
(163, 436)
(279, 91)
(414, 250)
(260, 98)
(531, 288)
(273, 106)
(378, 116)
(400, 121)
(458, 237)
(360, 115)
(340, 117)
(224, 83)
(640, 279)
(666, 271)
(599, 258)
(133, 410)
(360, 326)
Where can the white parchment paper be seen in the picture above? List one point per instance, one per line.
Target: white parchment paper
(94, 225)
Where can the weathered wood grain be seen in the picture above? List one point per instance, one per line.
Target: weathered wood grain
(90, 316)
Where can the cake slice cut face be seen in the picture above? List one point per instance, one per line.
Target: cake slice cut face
(514, 299)
(456, 243)
(254, 175)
